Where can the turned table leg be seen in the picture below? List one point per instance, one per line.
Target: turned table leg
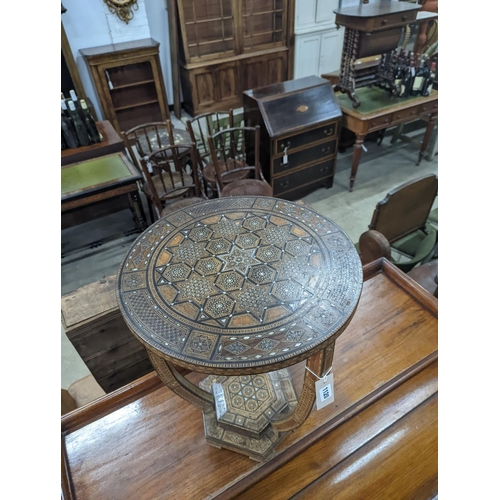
(356, 156)
(427, 136)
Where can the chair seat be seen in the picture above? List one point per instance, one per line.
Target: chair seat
(178, 205)
(210, 174)
(247, 187)
(173, 190)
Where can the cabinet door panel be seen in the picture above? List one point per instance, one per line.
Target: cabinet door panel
(307, 53)
(305, 11)
(324, 10)
(331, 51)
(264, 70)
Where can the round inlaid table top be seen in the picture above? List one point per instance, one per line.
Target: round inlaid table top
(239, 285)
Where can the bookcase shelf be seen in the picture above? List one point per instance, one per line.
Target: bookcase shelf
(129, 82)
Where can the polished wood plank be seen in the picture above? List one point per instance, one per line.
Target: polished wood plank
(350, 437)
(401, 463)
(151, 444)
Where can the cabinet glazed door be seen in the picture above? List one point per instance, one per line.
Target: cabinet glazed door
(307, 55)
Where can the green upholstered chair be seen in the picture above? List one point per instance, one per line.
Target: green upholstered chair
(400, 226)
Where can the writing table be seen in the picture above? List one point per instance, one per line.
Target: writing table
(379, 111)
(97, 187)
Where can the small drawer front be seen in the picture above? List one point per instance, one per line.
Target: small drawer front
(305, 176)
(429, 107)
(317, 134)
(305, 156)
(394, 20)
(405, 115)
(380, 122)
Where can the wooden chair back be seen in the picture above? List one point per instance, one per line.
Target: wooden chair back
(148, 138)
(205, 125)
(236, 148)
(171, 173)
(405, 209)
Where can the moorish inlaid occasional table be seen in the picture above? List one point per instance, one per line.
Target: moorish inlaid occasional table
(241, 288)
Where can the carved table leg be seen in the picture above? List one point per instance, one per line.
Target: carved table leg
(319, 363)
(427, 136)
(180, 385)
(137, 210)
(356, 156)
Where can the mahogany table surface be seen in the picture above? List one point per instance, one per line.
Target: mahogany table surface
(378, 439)
(111, 143)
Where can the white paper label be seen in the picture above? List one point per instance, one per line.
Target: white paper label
(285, 158)
(324, 392)
(417, 84)
(220, 400)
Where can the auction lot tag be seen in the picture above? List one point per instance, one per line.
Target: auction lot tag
(324, 391)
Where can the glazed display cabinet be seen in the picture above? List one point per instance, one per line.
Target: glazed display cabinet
(129, 82)
(228, 46)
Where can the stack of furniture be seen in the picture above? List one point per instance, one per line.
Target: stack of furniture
(227, 47)
(318, 43)
(129, 82)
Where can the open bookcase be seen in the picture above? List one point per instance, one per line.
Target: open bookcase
(129, 82)
(228, 46)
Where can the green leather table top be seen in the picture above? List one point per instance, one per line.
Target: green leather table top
(97, 173)
(374, 99)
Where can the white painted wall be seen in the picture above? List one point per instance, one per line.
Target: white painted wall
(89, 23)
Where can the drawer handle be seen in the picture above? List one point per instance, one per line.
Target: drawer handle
(328, 131)
(384, 21)
(325, 150)
(284, 184)
(398, 117)
(283, 145)
(405, 18)
(323, 170)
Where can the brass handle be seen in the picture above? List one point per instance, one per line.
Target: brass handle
(283, 146)
(384, 21)
(405, 18)
(284, 184)
(328, 131)
(325, 150)
(324, 169)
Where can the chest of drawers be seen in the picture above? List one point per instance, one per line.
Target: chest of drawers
(300, 126)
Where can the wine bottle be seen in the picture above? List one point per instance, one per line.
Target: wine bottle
(419, 79)
(68, 131)
(90, 123)
(398, 76)
(426, 72)
(64, 108)
(407, 84)
(81, 130)
(63, 142)
(427, 87)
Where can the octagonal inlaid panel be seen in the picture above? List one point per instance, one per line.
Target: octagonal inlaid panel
(250, 283)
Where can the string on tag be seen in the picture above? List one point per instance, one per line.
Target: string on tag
(323, 377)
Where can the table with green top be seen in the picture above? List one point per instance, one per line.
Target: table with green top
(378, 111)
(97, 187)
